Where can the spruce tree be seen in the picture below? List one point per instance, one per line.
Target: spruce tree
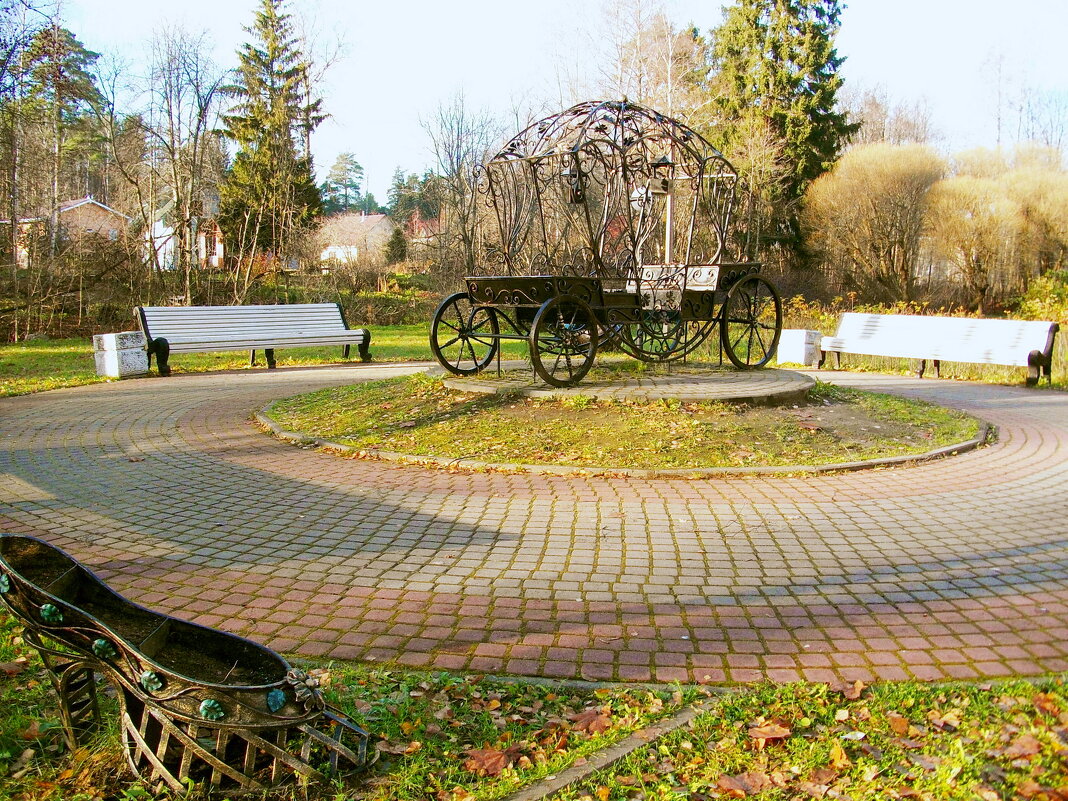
(776, 70)
(269, 194)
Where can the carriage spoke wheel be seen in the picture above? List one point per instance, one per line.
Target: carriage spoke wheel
(563, 341)
(750, 322)
(464, 337)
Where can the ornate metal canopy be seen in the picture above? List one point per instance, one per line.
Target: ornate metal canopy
(602, 189)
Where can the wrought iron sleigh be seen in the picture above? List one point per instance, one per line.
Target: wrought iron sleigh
(612, 225)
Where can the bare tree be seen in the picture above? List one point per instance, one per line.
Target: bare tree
(866, 218)
(462, 140)
(975, 227)
(174, 172)
(647, 59)
(883, 119)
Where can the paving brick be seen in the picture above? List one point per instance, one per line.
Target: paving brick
(881, 574)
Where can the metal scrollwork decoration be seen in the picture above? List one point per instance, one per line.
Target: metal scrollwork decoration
(604, 186)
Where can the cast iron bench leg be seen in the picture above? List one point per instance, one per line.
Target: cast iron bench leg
(161, 349)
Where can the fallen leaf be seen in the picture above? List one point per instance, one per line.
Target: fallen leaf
(823, 776)
(813, 789)
(925, 762)
(950, 720)
(899, 724)
(744, 784)
(390, 747)
(1026, 745)
(839, 758)
(31, 732)
(592, 721)
(602, 793)
(769, 731)
(851, 691)
(907, 744)
(490, 761)
(1046, 703)
(14, 668)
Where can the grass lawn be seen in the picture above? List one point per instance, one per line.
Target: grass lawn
(40, 365)
(419, 415)
(448, 737)
(50, 364)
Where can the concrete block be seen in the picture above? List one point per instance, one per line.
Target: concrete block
(120, 355)
(123, 340)
(799, 346)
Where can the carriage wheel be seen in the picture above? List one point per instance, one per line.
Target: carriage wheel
(464, 337)
(563, 341)
(750, 322)
(655, 340)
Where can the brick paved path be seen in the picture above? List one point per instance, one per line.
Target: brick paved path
(957, 568)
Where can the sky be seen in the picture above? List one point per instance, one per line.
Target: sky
(395, 61)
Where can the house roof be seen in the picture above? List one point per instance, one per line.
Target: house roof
(68, 205)
(353, 228)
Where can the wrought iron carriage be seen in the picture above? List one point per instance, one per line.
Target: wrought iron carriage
(612, 225)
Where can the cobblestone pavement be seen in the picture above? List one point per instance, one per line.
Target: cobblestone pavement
(951, 569)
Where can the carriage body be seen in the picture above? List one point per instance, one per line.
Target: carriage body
(611, 222)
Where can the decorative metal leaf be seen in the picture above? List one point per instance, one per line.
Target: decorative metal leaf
(50, 614)
(212, 709)
(276, 699)
(151, 681)
(104, 649)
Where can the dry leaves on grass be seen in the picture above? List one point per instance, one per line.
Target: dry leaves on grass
(591, 721)
(1031, 789)
(851, 691)
(491, 761)
(400, 748)
(1024, 746)
(744, 784)
(14, 668)
(761, 733)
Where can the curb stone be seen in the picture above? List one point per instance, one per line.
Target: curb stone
(606, 757)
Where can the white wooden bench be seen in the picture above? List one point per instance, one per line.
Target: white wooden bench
(1018, 343)
(189, 329)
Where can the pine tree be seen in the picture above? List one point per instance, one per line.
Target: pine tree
(59, 81)
(269, 194)
(341, 190)
(776, 72)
